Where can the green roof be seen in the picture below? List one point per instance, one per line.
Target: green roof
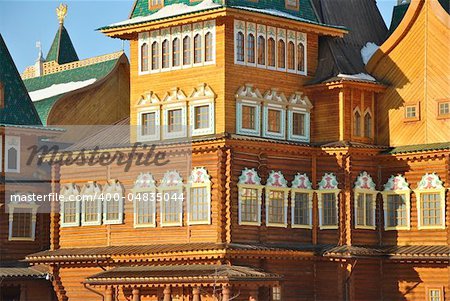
(62, 49)
(18, 108)
(306, 11)
(419, 148)
(44, 106)
(397, 16)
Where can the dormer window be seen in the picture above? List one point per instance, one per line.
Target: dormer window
(155, 4)
(292, 4)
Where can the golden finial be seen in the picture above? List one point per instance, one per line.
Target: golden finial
(61, 12)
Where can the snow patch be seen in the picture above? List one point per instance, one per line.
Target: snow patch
(171, 11)
(272, 12)
(58, 89)
(367, 51)
(359, 76)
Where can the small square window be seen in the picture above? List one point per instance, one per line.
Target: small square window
(155, 4)
(292, 4)
(435, 294)
(412, 112)
(276, 293)
(444, 109)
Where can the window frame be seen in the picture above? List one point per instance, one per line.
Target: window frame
(397, 185)
(144, 39)
(274, 100)
(155, 37)
(239, 28)
(91, 188)
(371, 133)
(113, 187)
(302, 184)
(33, 207)
(68, 190)
(277, 183)
(175, 100)
(435, 288)
(199, 179)
(145, 183)
(146, 110)
(439, 103)
(172, 181)
(209, 27)
(201, 96)
(249, 179)
(302, 105)
(291, 38)
(176, 35)
(248, 96)
(302, 38)
(357, 127)
(430, 183)
(328, 185)
(261, 32)
(186, 32)
(417, 110)
(365, 185)
(281, 37)
(12, 142)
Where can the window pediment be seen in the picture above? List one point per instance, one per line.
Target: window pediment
(148, 98)
(91, 188)
(145, 180)
(301, 181)
(364, 181)
(396, 183)
(276, 179)
(300, 100)
(328, 182)
(248, 91)
(174, 95)
(274, 95)
(249, 177)
(171, 178)
(430, 181)
(199, 175)
(202, 91)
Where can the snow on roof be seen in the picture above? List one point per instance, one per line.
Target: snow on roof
(171, 11)
(367, 51)
(58, 89)
(273, 12)
(359, 76)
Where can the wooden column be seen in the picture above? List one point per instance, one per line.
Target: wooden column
(136, 294)
(196, 294)
(225, 293)
(109, 294)
(167, 292)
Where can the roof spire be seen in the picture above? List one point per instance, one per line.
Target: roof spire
(40, 54)
(61, 12)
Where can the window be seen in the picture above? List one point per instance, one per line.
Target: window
(12, 154)
(276, 200)
(365, 202)
(301, 202)
(430, 196)
(396, 204)
(171, 190)
(174, 108)
(144, 57)
(186, 50)
(291, 56)
(208, 47)
(248, 110)
(165, 54)
(22, 220)
(301, 58)
(250, 190)
(91, 213)
(298, 124)
(281, 54)
(201, 116)
(201, 112)
(276, 293)
(274, 121)
(155, 4)
(148, 117)
(368, 125)
(113, 203)
(261, 50)
(298, 117)
(435, 294)
(199, 207)
(251, 48)
(271, 52)
(412, 112)
(328, 204)
(248, 117)
(301, 208)
(292, 4)
(176, 52)
(144, 201)
(148, 121)
(175, 120)
(155, 56)
(357, 123)
(274, 125)
(240, 47)
(444, 108)
(70, 206)
(197, 49)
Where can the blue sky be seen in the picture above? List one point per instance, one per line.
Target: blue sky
(22, 23)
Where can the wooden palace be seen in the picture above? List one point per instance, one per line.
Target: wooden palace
(310, 146)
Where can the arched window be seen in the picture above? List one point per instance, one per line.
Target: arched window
(70, 206)
(240, 47)
(171, 189)
(291, 56)
(365, 202)
(187, 50)
(155, 56)
(251, 48)
(199, 190)
(261, 50)
(301, 57)
(144, 201)
(165, 54)
(12, 153)
(430, 197)
(176, 52)
(144, 57)
(271, 52)
(197, 49)
(112, 203)
(208, 47)
(328, 202)
(91, 213)
(368, 125)
(250, 190)
(281, 54)
(276, 200)
(357, 123)
(12, 158)
(396, 204)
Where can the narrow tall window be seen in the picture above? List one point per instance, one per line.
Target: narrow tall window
(368, 125)
(301, 57)
(430, 195)
(22, 224)
(165, 54)
(301, 202)
(276, 293)
(208, 47)
(197, 49)
(171, 189)
(251, 48)
(148, 123)
(365, 202)
(175, 120)
(155, 56)
(91, 213)
(249, 197)
(199, 197)
(329, 209)
(248, 117)
(113, 203)
(70, 206)
(271, 52)
(276, 207)
(397, 210)
(201, 118)
(12, 154)
(240, 47)
(276, 200)
(298, 124)
(301, 208)
(357, 123)
(281, 54)
(144, 200)
(261, 50)
(186, 50)
(274, 121)
(396, 204)
(328, 201)
(12, 159)
(176, 52)
(291, 56)
(144, 57)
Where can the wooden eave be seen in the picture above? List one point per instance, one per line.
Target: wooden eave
(343, 84)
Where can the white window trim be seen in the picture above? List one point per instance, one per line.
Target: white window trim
(336, 192)
(197, 103)
(162, 189)
(155, 37)
(282, 110)
(198, 29)
(71, 193)
(209, 26)
(310, 193)
(16, 146)
(176, 33)
(418, 193)
(291, 37)
(22, 205)
(290, 134)
(302, 38)
(96, 192)
(281, 35)
(357, 192)
(150, 191)
(109, 190)
(274, 37)
(165, 35)
(174, 106)
(197, 184)
(285, 191)
(250, 29)
(259, 189)
(187, 32)
(407, 194)
(261, 32)
(144, 38)
(237, 24)
(142, 111)
(257, 106)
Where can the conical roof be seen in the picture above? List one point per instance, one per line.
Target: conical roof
(62, 50)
